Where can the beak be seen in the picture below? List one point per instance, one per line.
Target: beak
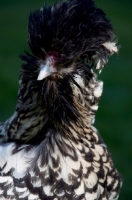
(46, 70)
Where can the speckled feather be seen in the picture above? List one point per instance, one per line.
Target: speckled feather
(49, 148)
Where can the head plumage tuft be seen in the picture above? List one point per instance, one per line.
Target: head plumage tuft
(73, 29)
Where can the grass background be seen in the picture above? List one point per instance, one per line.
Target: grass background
(114, 118)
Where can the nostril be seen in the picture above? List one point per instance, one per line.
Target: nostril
(53, 55)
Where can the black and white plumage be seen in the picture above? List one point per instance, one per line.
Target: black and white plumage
(49, 148)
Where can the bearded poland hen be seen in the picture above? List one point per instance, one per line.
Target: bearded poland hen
(49, 149)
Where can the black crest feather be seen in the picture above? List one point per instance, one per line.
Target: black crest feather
(72, 29)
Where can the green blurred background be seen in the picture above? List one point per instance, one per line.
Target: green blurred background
(114, 117)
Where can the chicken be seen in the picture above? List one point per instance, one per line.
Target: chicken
(49, 148)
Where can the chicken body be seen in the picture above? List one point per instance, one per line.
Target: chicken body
(49, 148)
